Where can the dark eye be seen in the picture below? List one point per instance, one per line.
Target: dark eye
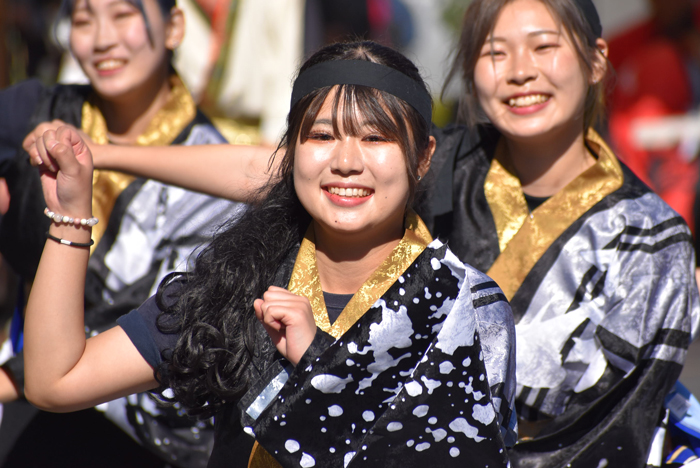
(123, 14)
(79, 21)
(376, 138)
(493, 53)
(319, 136)
(544, 47)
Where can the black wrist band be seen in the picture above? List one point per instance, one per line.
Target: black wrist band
(67, 242)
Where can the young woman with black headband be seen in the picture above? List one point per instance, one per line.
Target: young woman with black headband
(325, 327)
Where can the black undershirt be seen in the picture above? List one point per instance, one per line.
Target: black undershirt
(534, 202)
(335, 303)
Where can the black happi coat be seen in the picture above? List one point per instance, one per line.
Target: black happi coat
(405, 386)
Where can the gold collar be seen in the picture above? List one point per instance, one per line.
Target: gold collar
(166, 125)
(523, 237)
(305, 281)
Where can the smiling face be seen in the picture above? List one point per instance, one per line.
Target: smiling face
(110, 41)
(528, 78)
(351, 184)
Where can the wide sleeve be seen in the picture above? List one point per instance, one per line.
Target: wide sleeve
(635, 342)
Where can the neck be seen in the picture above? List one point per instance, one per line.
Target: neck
(546, 167)
(345, 262)
(128, 116)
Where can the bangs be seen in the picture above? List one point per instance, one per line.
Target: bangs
(355, 107)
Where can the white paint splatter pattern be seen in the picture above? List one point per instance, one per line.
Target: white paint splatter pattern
(307, 461)
(394, 331)
(484, 413)
(394, 426)
(326, 383)
(463, 426)
(292, 446)
(335, 411)
(421, 410)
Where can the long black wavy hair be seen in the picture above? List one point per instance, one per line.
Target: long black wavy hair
(212, 307)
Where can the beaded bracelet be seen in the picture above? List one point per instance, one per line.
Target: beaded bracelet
(70, 243)
(58, 218)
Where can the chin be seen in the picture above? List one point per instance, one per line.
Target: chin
(112, 92)
(527, 130)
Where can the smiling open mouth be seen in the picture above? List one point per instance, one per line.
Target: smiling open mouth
(529, 100)
(111, 64)
(349, 192)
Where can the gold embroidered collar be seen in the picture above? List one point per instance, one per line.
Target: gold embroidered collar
(305, 280)
(166, 125)
(524, 237)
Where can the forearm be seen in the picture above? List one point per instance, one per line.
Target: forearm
(54, 339)
(63, 370)
(235, 172)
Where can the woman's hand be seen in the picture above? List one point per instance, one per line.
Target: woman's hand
(289, 321)
(29, 143)
(66, 171)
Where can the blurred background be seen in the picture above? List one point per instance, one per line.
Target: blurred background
(239, 56)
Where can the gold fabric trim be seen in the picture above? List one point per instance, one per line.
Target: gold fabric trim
(260, 458)
(305, 282)
(166, 125)
(524, 239)
(502, 189)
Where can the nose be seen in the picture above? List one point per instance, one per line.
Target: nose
(105, 34)
(347, 157)
(522, 67)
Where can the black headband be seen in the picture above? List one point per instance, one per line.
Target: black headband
(591, 14)
(364, 73)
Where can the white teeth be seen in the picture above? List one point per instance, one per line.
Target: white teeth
(529, 100)
(109, 64)
(349, 192)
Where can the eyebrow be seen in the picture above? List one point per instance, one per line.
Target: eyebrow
(539, 32)
(323, 122)
(362, 124)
